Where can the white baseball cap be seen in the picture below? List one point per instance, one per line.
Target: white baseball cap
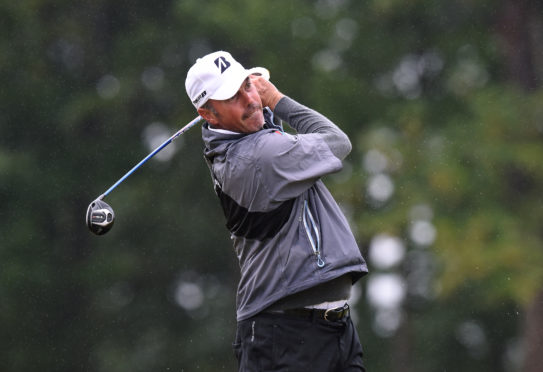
(217, 76)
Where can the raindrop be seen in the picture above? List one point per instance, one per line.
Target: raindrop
(375, 161)
(189, 295)
(108, 87)
(386, 251)
(347, 29)
(380, 187)
(386, 290)
(472, 336)
(387, 322)
(153, 78)
(154, 135)
(422, 233)
(406, 77)
(327, 60)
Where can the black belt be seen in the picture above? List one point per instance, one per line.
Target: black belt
(330, 315)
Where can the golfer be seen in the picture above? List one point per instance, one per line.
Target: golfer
(297, 255)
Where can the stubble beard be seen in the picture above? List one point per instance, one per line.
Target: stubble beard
(252, 111)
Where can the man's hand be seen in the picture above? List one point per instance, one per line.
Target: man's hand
(267, 91)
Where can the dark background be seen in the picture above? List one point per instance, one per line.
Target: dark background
(442, 101)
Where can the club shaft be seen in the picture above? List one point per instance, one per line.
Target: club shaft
(155, 151)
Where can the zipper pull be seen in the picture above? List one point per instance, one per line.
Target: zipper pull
(320, 261)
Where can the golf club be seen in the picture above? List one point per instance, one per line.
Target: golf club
(100, 216)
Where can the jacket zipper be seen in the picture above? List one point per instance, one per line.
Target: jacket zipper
(307, 218)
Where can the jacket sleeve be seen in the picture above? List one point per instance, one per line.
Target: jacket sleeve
(305, 120)
(287, 165)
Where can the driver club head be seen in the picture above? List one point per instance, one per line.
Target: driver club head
(100, 217)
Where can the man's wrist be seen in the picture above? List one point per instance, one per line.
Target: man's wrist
(283, 107)
(276, 98)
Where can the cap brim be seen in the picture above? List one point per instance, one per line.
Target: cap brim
(230, 87)
(260, 71)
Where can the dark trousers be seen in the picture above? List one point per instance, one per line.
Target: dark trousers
(280, 343)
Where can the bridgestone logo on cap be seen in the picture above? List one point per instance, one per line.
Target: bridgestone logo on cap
(222, 63)
(200, 96)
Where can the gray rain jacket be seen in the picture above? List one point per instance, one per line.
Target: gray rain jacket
(288, 232)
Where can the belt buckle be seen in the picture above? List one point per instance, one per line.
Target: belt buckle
(326, 314)
(340, 311)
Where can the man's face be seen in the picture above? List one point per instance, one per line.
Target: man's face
(241, 113)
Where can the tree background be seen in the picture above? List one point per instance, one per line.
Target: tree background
(442, 101)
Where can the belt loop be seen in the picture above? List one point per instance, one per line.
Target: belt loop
(314, 315)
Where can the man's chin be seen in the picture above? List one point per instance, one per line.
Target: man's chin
(257, 121)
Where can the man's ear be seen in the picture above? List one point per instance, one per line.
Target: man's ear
(208, 116)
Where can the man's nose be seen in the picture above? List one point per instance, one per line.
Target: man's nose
(246, 98)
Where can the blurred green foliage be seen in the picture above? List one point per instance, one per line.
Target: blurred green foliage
(426, 86)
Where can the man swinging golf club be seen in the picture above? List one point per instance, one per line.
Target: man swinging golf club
(297, 255)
